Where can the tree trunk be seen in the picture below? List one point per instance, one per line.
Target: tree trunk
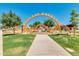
(14, 30)
(74, 31)
(22, 28)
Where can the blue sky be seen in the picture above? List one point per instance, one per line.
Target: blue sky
(60, 10)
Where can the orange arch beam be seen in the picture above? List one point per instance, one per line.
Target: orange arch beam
(42, 14)
(42, 25)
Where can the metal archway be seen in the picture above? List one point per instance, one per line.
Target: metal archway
(43, 14)
(42, 25)
(58, 24)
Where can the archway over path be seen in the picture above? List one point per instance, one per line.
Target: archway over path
(57, 26)
(43, 14)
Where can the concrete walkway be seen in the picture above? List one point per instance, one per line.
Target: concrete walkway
(43, 45)
(1, 44)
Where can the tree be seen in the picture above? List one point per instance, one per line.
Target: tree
(31, 25)
(0, 23)
(35, 24)
(10, 20)
(74, 19)
(49, 23)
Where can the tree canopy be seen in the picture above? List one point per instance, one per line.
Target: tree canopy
(35, 24)
(10, 19)
(0, 23)
(74, 18)
(49, 23)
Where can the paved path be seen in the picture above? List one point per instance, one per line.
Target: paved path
(43, 45)
(1, 44)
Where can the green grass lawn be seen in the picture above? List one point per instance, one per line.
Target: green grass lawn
(70, 43)
(17, 45)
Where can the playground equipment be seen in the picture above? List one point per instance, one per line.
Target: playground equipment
(58, 25)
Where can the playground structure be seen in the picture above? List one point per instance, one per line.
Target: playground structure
(58, 27)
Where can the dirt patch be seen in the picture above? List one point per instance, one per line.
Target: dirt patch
(18, 40)
(16, 50)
